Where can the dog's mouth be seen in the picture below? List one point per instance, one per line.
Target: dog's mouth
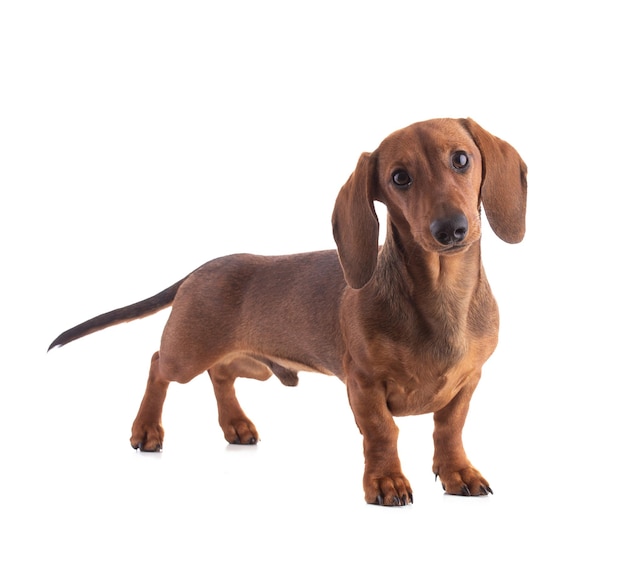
(454, 249)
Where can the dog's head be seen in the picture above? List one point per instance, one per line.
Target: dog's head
(432, 176)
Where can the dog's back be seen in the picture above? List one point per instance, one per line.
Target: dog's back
(270, 306)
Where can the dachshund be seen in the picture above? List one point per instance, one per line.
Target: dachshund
(406, 325)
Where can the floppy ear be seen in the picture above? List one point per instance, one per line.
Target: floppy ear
(355, 224)
(503, 189)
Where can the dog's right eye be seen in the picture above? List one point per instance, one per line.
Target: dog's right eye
(401, 178)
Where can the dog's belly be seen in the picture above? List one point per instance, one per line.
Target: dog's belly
(308, 367)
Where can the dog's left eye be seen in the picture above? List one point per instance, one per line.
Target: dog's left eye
(401, 178)
(460, 160)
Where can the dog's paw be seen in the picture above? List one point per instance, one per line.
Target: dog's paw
(240, 432)
(147, 437)
(464, 482)
(392, 490)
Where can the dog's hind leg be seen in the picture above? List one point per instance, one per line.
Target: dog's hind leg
(147, 431)
(237, 427)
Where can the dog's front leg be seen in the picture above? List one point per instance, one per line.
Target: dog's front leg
(383, 480)
(450, 463)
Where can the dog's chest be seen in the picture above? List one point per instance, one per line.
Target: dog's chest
(412, 396)
(422, 384)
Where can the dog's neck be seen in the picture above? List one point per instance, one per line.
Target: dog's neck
(439, 288)
(433, 273)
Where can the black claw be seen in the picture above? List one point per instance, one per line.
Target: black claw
(252, 441)
(157, 448)
(379, 500)
(485, 490)
(411, 497)
(436, 476)
(465, 491)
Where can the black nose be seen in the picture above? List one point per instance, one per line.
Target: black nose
(449, 230)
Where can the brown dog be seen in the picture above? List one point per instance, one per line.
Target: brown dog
(406, 326)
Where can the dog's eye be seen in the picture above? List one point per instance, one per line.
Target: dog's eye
(460, 160)
(401, 178)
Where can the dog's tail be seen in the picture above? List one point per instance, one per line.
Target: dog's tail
(129, 313)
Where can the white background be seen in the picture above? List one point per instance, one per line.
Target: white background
(141, 139)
